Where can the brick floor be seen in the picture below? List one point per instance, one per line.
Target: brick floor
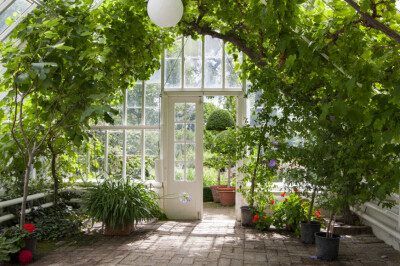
(216, 240)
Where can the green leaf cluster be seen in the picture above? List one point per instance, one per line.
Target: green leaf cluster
(120, 202)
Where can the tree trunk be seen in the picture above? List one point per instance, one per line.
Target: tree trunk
(347, 215)
(253, 179)
(229, 171)
(25, 196)
(55, 178)
(311, 206)
(219, 170)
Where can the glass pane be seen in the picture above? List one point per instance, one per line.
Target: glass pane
(193, 63)
(213, 47)
(150, 172)
(152, 95)
(213, 73)
(18, 7)
(135, 95)
(179, 112)
(175, 50)
(97, 152)
(231, 77)
(152, 142)
(193, 73)
(152, 116)
(173, 73)
(190, 112)
(156, 77)
(115, 166)
(213, 64)
(134, 116)
(179, 152)
(179, 171)
(118, 117)
(115, 143)
(179, 132)
(190, 172)
(190, 152)
(190, 132)
(133, 167)
(133, 142)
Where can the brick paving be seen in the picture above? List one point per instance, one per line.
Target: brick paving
(216, 240)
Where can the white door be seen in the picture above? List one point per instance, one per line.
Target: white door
(185, 158)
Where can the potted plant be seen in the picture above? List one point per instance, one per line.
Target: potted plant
(256, 171)
(18, 245)
(225, 146)
(218, 121)
(119, 204)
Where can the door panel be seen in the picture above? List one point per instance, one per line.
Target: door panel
(185, 157)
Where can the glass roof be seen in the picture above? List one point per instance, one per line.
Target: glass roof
(13, 9)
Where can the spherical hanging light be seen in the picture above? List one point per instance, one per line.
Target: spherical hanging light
(165, 13)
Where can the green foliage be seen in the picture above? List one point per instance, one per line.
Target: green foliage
(56, 222)
(120, 202)
(290, 213)
(262, 221)
(207, 194)
(11, 241)
(220, 120)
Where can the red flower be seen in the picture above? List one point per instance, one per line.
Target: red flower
(29, 227)
(255, 219)
(264, 217)
(272, 202)
(303, 203)
(295, 190)
(283, 194)
(25, 256)
(318, 213)
(286, 199)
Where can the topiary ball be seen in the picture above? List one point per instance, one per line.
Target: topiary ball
(220, 120)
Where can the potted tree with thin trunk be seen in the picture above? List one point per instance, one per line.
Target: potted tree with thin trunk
(256, 151)
(225, 146)
(219, 121)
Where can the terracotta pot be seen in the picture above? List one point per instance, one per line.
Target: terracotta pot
(119, 230)
(227, 196)
(215, 193)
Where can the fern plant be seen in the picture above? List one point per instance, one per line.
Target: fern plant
(119, 202)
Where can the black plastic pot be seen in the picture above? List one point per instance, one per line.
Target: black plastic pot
(30, 244)
(247, 216)
(307, 231)
(327, 247)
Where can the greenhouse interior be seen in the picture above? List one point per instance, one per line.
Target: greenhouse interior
(200, 132)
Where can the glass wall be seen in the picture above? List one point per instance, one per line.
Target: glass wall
(130, 146)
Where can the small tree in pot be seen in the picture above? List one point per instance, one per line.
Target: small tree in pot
(219, 121)
(256, 170)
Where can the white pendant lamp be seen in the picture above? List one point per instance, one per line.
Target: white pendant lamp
(165, 13)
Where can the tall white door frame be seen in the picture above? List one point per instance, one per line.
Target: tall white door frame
(173, 187)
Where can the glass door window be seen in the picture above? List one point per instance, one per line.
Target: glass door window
(184, 141)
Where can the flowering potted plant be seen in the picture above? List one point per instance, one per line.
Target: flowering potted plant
(258, 170)
(18, 245)
(262, 221)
